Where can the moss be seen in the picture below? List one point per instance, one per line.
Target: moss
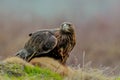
(21, 70)
(117, 78)
(13, 71)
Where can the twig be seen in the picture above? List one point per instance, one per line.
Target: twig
(83, 66)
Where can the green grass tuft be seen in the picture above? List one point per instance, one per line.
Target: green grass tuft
(21, 72)
(117, 78)
(13, 71)
(44, 74)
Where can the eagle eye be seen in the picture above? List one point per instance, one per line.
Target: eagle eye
(69, 24)
(30, 34)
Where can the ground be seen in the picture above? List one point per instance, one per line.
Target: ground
(10, 70)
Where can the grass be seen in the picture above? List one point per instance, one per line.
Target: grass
(12, 70)
(88, 74)
(117, 78)
(44, 74)
(20, 72)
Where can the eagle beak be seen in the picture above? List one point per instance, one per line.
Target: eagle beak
(65, 27)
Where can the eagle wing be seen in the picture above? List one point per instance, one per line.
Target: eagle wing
(40, 42)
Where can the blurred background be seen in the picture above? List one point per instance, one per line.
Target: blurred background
(97, 26)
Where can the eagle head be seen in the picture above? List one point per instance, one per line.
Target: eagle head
(67, 27)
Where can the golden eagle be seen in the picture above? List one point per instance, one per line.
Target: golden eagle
(56, 43)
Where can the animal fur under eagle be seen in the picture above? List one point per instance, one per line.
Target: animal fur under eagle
(56, 43)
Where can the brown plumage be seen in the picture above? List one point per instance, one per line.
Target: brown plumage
(55, 43)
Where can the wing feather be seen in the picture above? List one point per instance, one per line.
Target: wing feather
(42, 42)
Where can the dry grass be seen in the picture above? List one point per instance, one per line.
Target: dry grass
(70, 73)
(86, 72)
(91, 74)
(46, 62)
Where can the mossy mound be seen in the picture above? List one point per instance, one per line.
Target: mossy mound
(17, 69)
(13, 71)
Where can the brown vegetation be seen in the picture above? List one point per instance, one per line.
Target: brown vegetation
(16, 60)
(97, 26)
(67, 72)
(50, 63)
(95, 42)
